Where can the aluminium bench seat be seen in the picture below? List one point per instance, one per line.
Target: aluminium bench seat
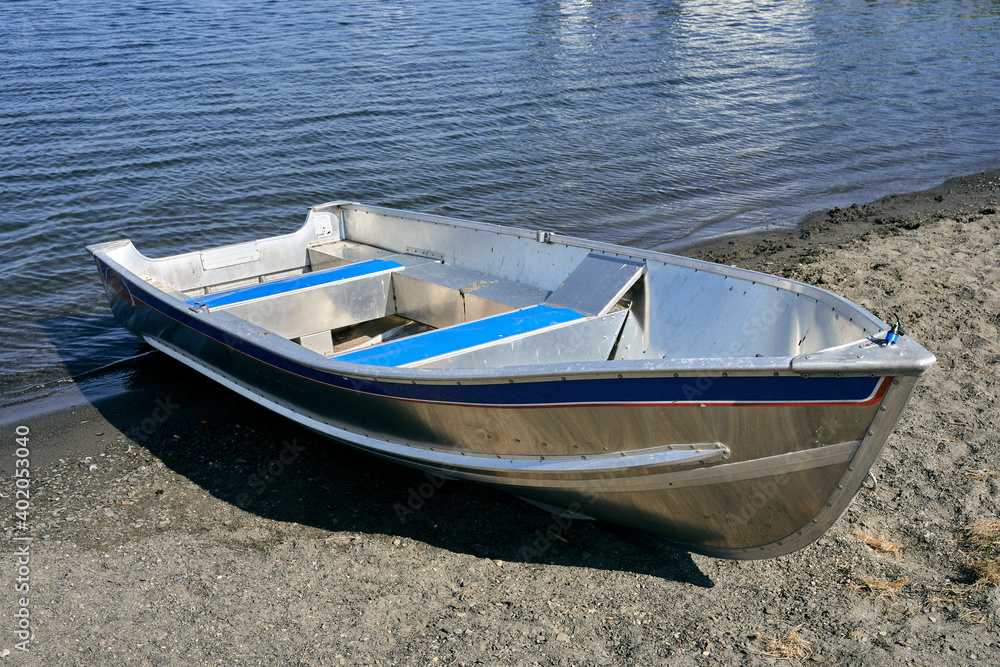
(308, 306)
(294, 283)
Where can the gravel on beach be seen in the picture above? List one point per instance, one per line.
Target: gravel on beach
(179, 524)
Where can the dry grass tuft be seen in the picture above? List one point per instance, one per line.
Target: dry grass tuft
(877, 543)
(984, 535)
(968, 600)
(981, 563)
(878, 590)
(987, 572)
(790, 647)
(985, 473)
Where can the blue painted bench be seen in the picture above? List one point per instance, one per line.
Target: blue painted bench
(462, 336)
(293, 283)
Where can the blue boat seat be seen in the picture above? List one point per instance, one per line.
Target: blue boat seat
(294, 283)
(483, 332)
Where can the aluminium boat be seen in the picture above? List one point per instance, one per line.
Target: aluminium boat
(733, 412)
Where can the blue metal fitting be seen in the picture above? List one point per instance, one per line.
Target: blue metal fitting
(895, 331)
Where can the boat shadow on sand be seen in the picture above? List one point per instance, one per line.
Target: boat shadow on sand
(271, 467)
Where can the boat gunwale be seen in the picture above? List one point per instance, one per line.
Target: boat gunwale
(832, 299)
(230, 329)
(754, 277)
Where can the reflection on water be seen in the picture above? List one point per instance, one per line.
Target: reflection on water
(184, 125)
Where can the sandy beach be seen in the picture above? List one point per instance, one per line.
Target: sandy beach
(178, 524)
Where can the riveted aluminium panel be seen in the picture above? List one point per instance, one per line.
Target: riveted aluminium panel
(596, 284)
(321, 308)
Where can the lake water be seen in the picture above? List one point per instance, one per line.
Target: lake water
(185, 125)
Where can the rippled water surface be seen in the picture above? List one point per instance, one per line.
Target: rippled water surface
(189, 125)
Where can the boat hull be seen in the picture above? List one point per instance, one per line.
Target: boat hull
(739, 463)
